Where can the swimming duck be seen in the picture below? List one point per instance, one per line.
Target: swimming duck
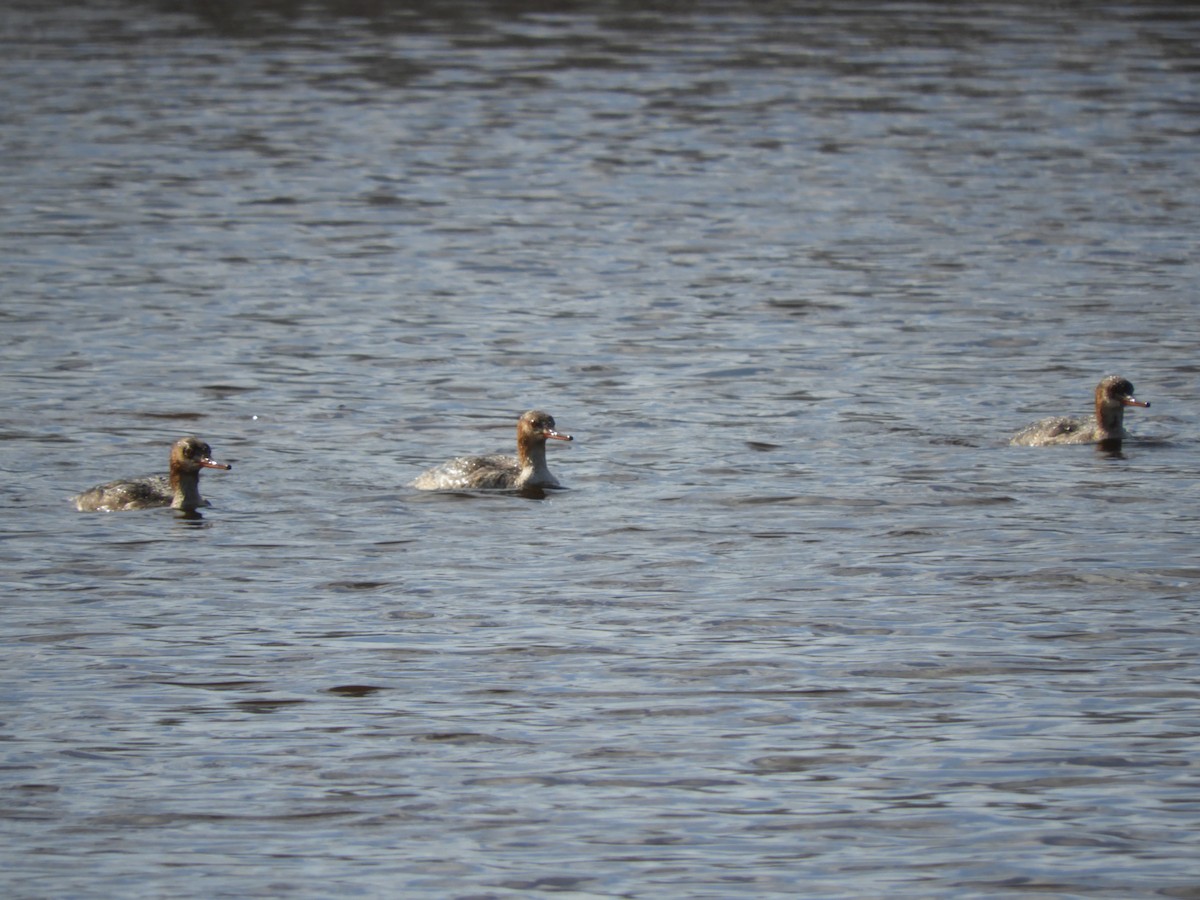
(1113, 394)
(179, 489)
(525, 470)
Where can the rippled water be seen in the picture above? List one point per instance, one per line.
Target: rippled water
(803, 625)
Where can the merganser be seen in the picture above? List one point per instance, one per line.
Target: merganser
(179, 489)
(1113, 394)
(525, 470)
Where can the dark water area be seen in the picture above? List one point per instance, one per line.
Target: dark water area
(803, 623)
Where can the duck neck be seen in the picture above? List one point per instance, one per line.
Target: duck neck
(1110, 418)
(186, 488)
(532, 457)
(532, 454)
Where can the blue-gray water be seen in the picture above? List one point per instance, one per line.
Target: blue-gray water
(803, 625)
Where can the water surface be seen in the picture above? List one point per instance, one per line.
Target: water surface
(803, 625)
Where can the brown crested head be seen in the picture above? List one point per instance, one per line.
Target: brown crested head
(192, 454)
(536, 425)
(1117, 391)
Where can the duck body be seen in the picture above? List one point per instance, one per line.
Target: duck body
(178, 489)
(1107, 424)
(145, 492)
(527, 469)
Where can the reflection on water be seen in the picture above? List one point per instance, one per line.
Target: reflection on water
(802, 624)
